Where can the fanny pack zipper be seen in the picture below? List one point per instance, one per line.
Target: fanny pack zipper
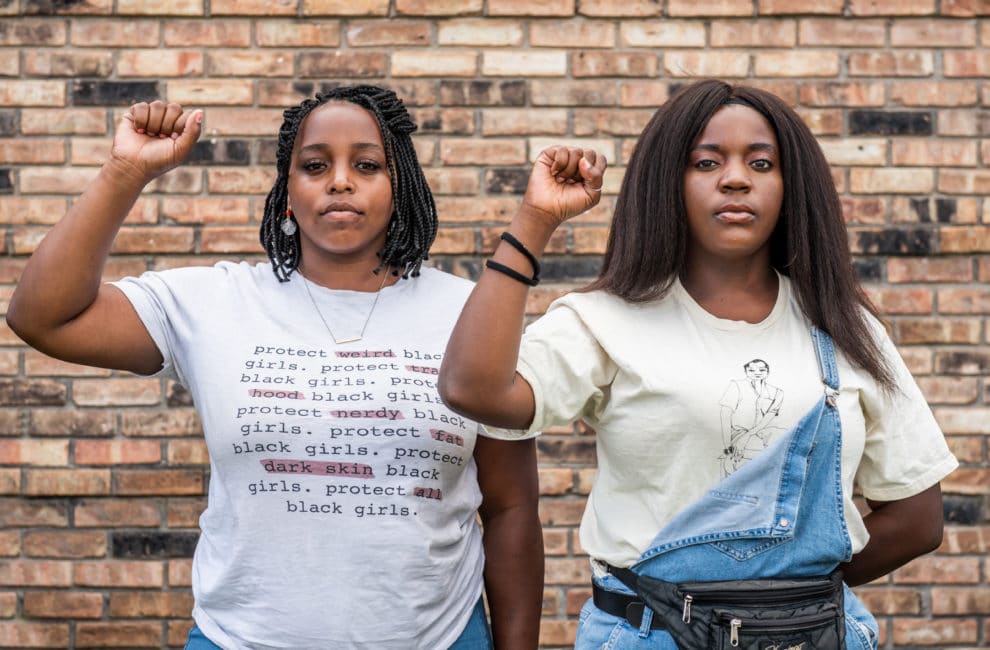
(795, 624)
(779, 596)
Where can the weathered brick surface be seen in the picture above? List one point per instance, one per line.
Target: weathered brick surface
(103, 475)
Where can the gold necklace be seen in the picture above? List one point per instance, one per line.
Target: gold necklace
(319, 313)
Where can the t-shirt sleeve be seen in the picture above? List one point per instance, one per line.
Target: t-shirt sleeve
(161, 299)
(568, 369)
(905, 451)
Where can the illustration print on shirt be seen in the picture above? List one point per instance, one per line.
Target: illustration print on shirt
(750, 407)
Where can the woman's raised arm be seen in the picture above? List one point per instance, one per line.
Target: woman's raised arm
(60, 306)
(478, 377)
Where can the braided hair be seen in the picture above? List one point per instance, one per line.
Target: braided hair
(413, 225)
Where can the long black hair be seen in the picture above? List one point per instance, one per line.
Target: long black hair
(648, 241)
(413, 225)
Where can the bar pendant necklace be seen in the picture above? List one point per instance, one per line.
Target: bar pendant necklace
(367, 320)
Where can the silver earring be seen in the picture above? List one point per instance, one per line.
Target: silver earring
(288, 225)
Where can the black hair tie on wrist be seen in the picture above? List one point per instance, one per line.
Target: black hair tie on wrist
(512, 273)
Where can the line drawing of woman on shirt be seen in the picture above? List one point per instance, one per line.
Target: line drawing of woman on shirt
(749, 406)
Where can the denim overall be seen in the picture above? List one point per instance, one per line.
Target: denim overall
(779, 515)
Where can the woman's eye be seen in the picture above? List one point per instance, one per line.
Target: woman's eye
(762, 164)
(368, 165)
(313, 165)
(705, 164)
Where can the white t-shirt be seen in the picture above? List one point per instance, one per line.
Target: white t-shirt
(668, 388)
(342, 493)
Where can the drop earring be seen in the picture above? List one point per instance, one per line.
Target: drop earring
(288, 225)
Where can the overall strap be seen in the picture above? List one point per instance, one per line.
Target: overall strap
(825, 351)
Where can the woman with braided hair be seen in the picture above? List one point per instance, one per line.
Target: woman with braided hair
(343, 493)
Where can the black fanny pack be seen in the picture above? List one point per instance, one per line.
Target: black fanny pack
(782, 613)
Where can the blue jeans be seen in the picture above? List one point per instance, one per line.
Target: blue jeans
(476, 635)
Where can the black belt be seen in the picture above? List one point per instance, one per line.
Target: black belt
(624, 606)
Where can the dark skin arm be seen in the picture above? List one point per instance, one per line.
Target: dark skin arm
(899, 532)
(513, 539)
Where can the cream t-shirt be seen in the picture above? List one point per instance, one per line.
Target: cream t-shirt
(668, 388)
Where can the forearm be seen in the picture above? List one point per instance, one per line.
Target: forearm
(62, 277)
(899, 532)
(514, 577)
(478, 375)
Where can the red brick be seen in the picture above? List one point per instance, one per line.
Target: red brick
(194, 452)
(144, 575)
(27, 513)
(976, 181)
(710, 8)
(939, 330)
(456, 242)
(949, 390)
(654, 34)
(10, 545)
(180, 573)
(185, 512)
(934, 632)
(553, 92)
(206, 92)
(932, 33)
(567, 571)
(89, 151)
(164, 63)
(610, 122)
(117, 513)
(8, 604)
(531, 8)
(230, 240)
(10, 481)
(120, 635)
(713, 63)
(81, 8)
(174, 422)
(973, 239)
(933, 93)
(430, 63)
(237, 63)
(254, 7)
(161, 7)
(67, 121)
(960, 600)
(62, 604)
(561, 512)
(31, 210)
(438, 7)
(393, 33)
(590, 33)
(938, 153)
(891, 64)
(885, 602)
(478, 32)
(117, 452)
(902, 301)
(619, 8)
(241, 121)
(56, 180)
(65, 544)
(452, 181)
(66, 482)
(34, 635)
(116, 392)
(841, 31)
(771, 7)
(205, 210)
(35, 573)
(68, 63)
(457, 151)
(613, 64)
(34, 452)
(643, 93)
(71, 423)
(215, 32)
(38, 364)
(558, 633)
(168, 604)
(240, 181)
(345, 7)
(144, 482)
(32, 32)
(836, 93)
(892, 7)
(556, 481)
(754, 33)
(114, 33)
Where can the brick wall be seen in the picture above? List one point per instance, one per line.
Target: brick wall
(102, 475)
